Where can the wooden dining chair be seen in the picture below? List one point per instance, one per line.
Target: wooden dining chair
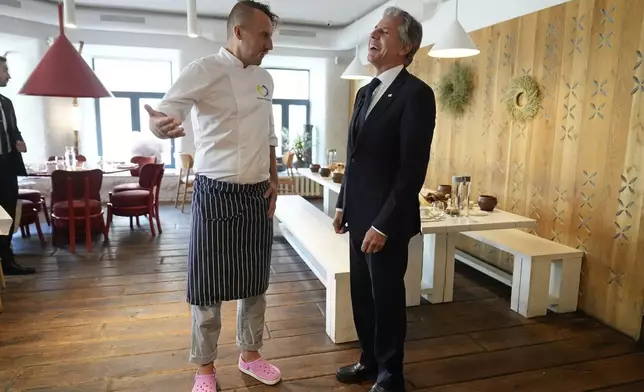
(139, 202)
(76, 204)
(30, 215)
(140, 160)
(286, 184)
(186, 179)
(34, 196)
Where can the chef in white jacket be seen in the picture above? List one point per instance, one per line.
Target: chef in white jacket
(235, 188)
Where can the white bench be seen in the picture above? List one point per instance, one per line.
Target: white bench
(310, 232)
(546, 274)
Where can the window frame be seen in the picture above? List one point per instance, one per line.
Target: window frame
(135, 109)
(286, 102)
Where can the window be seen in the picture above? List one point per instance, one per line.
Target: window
(291, 105)
(134, 83)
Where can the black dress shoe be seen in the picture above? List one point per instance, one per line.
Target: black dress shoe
(14, 268)
(355, 374)
(380, 388)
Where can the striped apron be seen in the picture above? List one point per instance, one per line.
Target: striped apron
(231, 237)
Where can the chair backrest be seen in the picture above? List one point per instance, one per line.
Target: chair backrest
(149, 175)
(141, 161)
(185, 161)
(76, 185)
(287, 160)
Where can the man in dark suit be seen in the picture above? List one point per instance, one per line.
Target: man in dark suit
(11, 166)
(390, 137)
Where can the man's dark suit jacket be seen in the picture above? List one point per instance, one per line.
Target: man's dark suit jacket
(387, 160)
(15, 162)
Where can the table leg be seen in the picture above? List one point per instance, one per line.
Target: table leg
(330, 200)
(414, 271)
(438, 267)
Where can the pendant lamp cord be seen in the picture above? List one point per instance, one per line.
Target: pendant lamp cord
(456, 9)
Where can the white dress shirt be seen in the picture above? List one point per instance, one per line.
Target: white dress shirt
(235, 116)
(386, 79)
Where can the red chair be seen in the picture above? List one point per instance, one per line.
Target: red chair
(35, 197)
(139, 202)
(76, 202)
(141, 161)
(31, 215)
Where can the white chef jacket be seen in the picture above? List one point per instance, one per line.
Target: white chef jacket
(235, 116)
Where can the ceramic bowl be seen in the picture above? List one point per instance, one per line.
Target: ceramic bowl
(325, 171)
(445, 189)
(487, 202)
(337, 177)
(314, 168)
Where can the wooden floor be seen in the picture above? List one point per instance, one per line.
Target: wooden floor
(116, 320)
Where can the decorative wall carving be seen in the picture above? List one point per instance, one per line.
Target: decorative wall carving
(576, 167)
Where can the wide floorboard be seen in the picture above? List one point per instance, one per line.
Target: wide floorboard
(116, 320)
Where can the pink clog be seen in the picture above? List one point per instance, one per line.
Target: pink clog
(261, 371)
(205, 383)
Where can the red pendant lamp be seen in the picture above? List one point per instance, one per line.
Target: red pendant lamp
(63, 73)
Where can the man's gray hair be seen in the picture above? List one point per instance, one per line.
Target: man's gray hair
(410, 31)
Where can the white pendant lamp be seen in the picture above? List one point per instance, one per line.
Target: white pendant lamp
(69, 9)
(193, 30)
(455, 42)
(356, 70)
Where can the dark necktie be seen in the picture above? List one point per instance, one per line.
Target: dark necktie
(366, 102)
(4, 142)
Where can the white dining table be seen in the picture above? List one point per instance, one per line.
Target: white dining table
(439, 246)
(430, 265)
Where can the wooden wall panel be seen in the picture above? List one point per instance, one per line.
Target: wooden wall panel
(578, 167)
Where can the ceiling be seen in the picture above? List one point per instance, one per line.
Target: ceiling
(334, 13)
(157, 17)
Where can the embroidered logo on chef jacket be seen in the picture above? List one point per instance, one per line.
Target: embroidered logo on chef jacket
(262, 90)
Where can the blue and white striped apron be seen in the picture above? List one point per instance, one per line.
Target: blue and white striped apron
(231, 238)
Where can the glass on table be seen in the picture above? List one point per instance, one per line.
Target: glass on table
(438, 209)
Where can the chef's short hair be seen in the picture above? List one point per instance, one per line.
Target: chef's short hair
(3, 59)
(244, 8)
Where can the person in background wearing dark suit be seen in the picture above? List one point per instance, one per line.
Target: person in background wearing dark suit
(390, 137)
(11, 166)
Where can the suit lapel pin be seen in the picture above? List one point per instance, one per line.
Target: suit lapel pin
(389, 96)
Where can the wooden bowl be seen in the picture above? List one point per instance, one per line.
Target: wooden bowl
(487, 202)
(446, 189)
(325, 171)
(337, 177)
(314, 168)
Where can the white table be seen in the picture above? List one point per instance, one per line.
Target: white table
(439, 245)
(331, 189)
(5, 222)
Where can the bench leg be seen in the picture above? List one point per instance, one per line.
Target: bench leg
(530, 286)
(339, 313)
(564, 284)
(414, 271)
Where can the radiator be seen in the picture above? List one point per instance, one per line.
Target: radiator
(306, 187)
(303, 187)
